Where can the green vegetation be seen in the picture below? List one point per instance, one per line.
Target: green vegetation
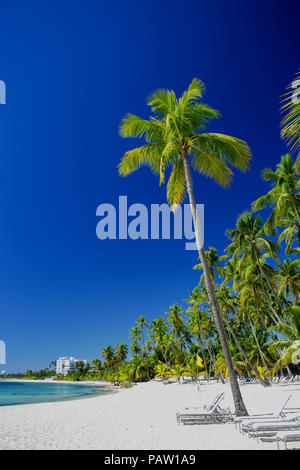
(290, 124)
(175, 137)
(257, 287)
(34, 375)
(243, 318)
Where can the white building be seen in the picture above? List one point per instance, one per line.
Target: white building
(66, 364)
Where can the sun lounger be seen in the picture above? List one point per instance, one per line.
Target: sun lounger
(206, 415)
(198, 409)
(255, 428)
(287, 436)
(279, 413)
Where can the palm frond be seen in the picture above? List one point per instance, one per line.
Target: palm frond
(162, 102)
(134, 126)
(176, 185)
(230, 149)
(149, 155)
(211, 166)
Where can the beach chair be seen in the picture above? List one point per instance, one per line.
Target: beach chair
(287, 436)
(281, 412)
(199, 409)
(254, 429)
(206, 415)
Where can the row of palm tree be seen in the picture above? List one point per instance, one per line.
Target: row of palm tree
(243, 318)
(257, 288)
(175, 137)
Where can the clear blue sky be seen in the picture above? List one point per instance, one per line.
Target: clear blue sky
(73, 69)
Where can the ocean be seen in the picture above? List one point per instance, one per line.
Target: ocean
(21, 393)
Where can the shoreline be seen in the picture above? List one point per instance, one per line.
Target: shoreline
(141, 417)
(101, 385)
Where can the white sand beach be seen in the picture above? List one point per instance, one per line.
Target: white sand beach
(142, 417)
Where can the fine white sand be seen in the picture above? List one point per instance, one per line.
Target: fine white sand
(142, 417)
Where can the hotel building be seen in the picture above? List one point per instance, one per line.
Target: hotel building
(66, 364)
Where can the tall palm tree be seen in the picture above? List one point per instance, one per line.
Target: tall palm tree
(284, 197)
(228, 305)
(214, 261)
(97, 364)
(158, 331)
(291, 231)
(135, 336)
(108, 355)
(248, 241)
(175, 138)
(141, 324)
(178, 330)
(195, 325)
(135, 348)
(290, 124)
(200, 323)
(252, 286)
(291, 345)
(136, 369)
(288, 278)
(121, 352)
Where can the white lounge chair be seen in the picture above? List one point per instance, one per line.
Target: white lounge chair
(255, 428)
(206, 415)
(287, 436)
(281, 412)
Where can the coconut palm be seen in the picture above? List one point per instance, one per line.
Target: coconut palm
(288, 278)
(195, 324)
(121, 352)
(175, 138)
(200, 324)
(284, 197)
(290, 124)
(290, 347)
(228, 304)
(290, 232)
(178, 371)
(135, 348)
(141, 324)
(158, 331)
(220, 366)
(248, 241)
(214, 262)
(252, 286)
(97, 364)
(162, 370)
(108, 355)
(136, 369)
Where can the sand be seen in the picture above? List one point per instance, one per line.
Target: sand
(142, 417)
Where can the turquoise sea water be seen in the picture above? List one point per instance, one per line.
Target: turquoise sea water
(21, 393)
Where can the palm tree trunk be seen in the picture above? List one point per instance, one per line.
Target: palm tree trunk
(256, 340)
(261, 319)
(203, 354)
(274, 320)
(263, 277)
(267, 297)
(241, 349)
(293, 198)
(145, 354)
(164, 356)
(205, 343)
(240, 408)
